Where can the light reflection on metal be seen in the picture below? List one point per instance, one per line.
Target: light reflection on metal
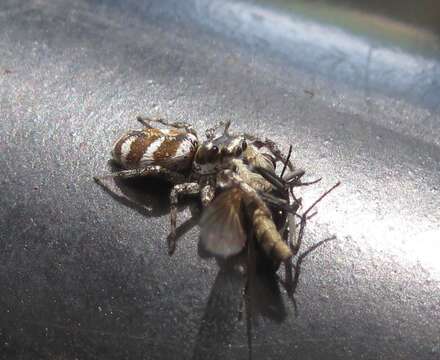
(380, 214)
(377, 227)
(330, 51)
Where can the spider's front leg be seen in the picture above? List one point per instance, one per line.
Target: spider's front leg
(192, 188)
(210, 133)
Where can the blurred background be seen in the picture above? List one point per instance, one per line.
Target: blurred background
(423, 15)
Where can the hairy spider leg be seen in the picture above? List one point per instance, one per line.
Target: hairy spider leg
(192, 188)
(144, 120)
(211, 131)
(151, 170)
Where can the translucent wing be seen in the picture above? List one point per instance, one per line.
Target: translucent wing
(221, 225)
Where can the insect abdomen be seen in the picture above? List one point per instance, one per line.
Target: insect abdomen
(173, 149)
(266, 232)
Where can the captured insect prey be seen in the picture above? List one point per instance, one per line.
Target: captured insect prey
(235, 176)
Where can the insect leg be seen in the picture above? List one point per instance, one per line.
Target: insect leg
(286, 162)
(280, 203)
(295, 175)
(153, 170)
(273, 178)
(180, 189)
(281, 200)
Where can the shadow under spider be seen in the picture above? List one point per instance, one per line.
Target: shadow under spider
(245, 288)
(229, 299)
(247, 280)
(150, 197)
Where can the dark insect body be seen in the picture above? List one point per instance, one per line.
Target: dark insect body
(228, 172)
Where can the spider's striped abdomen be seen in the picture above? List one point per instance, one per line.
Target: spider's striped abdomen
(172, 149)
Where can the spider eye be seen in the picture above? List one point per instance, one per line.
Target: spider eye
(214, 149)
(238, 151)
(244, 145)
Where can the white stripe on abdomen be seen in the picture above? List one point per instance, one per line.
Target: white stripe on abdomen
(148, 156)
(125, 148)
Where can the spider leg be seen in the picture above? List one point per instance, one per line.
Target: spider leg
(273, 178)
(179, 189)
(148, 171)
(144, 120)
(207, 194)
(211, 131)
(183, 228)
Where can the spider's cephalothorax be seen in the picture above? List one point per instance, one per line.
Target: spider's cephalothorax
(223, 163)
(217, 154)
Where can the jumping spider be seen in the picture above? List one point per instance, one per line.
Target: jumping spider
(239, 167)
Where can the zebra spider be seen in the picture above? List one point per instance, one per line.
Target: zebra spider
(239, 168)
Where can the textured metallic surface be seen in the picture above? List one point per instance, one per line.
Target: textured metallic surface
(83, 276)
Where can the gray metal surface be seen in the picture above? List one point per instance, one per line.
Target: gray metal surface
(84, 276)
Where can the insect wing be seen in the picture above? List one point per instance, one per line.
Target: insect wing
(222, 233)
